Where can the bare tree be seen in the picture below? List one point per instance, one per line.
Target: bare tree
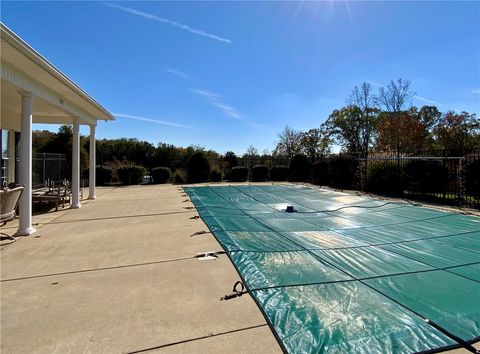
(252, 151)
(289, 142)
(363, 98)
(393, 99)
(251, 156)
(395, 96)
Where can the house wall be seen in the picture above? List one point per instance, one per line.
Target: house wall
(9, 156)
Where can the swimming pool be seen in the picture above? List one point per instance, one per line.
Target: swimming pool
(350, 273)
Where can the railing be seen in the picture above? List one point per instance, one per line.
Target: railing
(445, 176)
(269, 161)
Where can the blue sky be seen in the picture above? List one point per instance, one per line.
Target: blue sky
(226, 75)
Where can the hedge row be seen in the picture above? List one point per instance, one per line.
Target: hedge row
(470, 175)
(419, 176)
(161, 174)
(336, 171)
(260, 173)
(103, 174)
(131, 174)
(384, 177)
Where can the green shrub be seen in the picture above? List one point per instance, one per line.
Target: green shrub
(320, 172)
(239, 174)
(300, 168)
(215, 175)
(131, 174)
(426, 176)
(471, 178)
(259, 173)
(384, 177)
(279, 173)
(161, 174)
(103, 174)
(179, 176)
(198, 168)
(342, 171)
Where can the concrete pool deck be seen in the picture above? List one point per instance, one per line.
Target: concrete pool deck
(116, 276)
(105, 279)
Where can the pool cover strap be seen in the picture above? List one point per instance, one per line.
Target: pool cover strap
(238, 290)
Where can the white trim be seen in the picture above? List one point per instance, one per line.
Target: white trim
(28, 84)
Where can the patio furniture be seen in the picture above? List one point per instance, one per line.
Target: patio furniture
(56, 192)
(9, 198)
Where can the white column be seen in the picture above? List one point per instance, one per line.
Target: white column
(76, 165)
(92, 157)
(25, 167)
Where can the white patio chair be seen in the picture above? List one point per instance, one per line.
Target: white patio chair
(9, 198)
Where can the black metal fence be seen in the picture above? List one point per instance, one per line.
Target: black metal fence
(267, 160)
(445, 176)
(47, 166)
(442, 176)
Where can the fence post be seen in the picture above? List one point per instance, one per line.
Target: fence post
(365, 174)
(444, 161)
(43, 168)
(399, 171)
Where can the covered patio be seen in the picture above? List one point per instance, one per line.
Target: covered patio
(33, 90)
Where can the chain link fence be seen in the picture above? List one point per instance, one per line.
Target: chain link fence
(48, 166)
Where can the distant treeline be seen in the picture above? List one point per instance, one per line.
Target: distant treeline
(368, 123)
(384, 121)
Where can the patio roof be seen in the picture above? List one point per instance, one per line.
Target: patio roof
(57, 98)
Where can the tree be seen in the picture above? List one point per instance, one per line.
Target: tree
(252, 151)
(401, 132)
(40, 139)
(230, 159)
(429, 116)
(314, 143)
(251, 155)
(346, 127)
(457, 131)
(289, 142)
(364, 99)
(395, 96)
(61, 143)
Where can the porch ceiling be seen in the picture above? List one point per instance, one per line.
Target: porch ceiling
(43, 111)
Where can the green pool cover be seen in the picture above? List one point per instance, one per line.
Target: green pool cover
(347, 273)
